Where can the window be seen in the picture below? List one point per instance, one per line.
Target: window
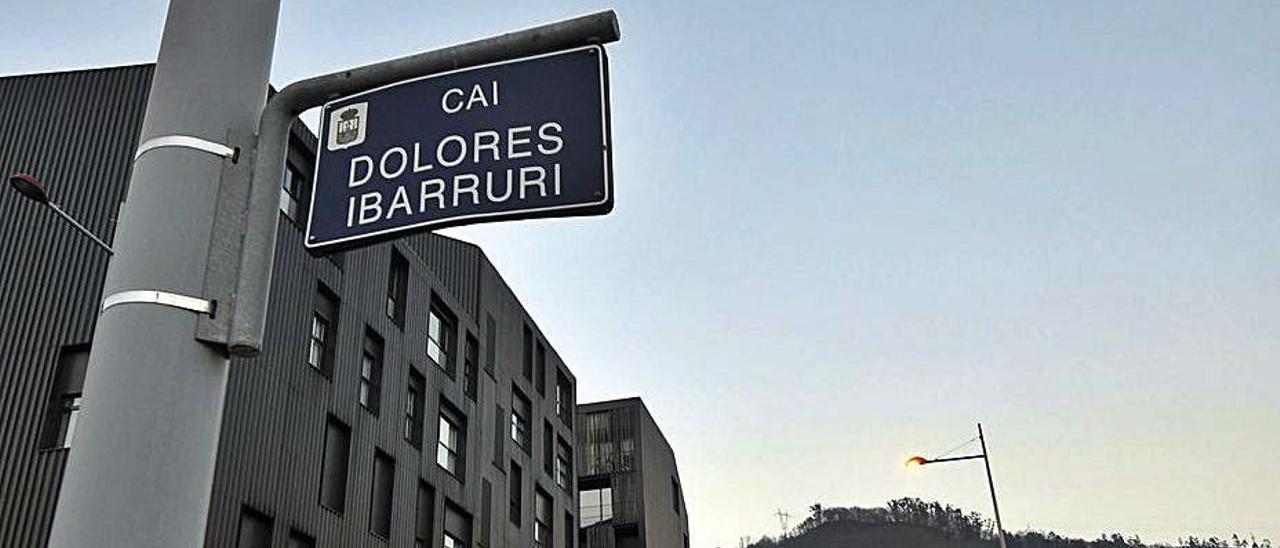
(426, 514)
(611, 447)
(470, 364)
(516, 487)
(440, 336)
(70, 413)
(457, 527)
(319, 336)
(452, 440)
(540, 370)
(291, 187)
(569, 528)
(490, 344)
(255, 529)
(324, 329)
(520, 411)
(66, 412)
(486, 513)
(675, 495)
(548, 448)
(383, 483)
(499, 415)
(64, 398)
(542, 533)
(371, 372)
(298, 539)
(413, 410)
(564, 464)
(397, 287)
(333, 474)
(564, 398)
(528, 354)
(595, 505)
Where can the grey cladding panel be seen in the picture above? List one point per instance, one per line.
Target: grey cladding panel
(53, 126)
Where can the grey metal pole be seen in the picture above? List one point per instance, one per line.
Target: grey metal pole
(991, 483)
(141, 465)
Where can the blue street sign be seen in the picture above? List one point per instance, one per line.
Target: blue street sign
(520, 139)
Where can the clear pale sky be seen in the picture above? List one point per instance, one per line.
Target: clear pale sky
(847, 231)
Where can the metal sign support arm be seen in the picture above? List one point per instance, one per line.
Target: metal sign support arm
(252, 286)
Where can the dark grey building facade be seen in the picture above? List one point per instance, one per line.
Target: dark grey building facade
(404, 396)
(629, 490)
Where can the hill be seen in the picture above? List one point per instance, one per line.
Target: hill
(843, 534)
(913, 523)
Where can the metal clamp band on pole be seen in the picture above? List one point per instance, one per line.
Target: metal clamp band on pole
(186, 141)
(163, 298)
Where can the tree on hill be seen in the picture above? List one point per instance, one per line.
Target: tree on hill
(901, 522)
(949, 520)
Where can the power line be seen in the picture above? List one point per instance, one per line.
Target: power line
(957, 448)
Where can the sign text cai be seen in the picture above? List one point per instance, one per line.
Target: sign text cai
(514, 140)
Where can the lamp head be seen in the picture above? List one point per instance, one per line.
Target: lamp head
(29, 186)
(917, 461)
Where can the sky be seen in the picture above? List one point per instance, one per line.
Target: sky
(845, 232)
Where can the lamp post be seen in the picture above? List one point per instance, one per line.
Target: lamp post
(921, 461)
(30, 187)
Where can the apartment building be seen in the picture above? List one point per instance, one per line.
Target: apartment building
(629, 491)
(404, 396)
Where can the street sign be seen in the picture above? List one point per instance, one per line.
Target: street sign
(519, 139)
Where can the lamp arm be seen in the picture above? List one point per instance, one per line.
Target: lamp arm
(953, 459)
(80, 227)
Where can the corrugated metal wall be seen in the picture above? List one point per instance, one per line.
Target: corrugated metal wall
(609, 439)
(77, 131)
(53, 126)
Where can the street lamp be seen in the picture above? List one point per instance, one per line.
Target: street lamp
(30, 187)
(921, 461)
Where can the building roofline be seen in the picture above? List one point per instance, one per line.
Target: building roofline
(616, 401)
(77, 70)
